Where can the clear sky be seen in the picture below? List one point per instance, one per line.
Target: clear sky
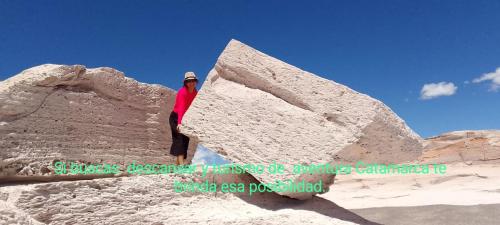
(394, 50)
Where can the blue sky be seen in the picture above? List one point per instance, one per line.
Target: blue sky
(386, 49)
(205, 156)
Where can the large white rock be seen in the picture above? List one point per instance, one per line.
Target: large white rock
(54, 112)
(255, 109)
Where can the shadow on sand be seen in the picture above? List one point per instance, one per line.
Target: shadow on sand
(273, 201)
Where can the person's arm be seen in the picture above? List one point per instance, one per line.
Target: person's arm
(181, 99)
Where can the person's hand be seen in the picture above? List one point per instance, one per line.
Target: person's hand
(178, 126)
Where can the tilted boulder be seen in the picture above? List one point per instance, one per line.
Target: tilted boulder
(255, 109)
(54, 112)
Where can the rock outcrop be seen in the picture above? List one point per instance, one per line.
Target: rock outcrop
(156, 199)
(255, 109)
(469, 146)
(152, 200)
(54, 112)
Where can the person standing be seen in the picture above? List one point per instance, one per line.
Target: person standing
(183, 99)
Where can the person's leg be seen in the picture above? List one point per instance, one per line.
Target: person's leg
(180, 158)
(185, 146)
(176, 138)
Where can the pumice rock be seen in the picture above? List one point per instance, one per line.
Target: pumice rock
(255, 109)
(53, 113)
(155, 199)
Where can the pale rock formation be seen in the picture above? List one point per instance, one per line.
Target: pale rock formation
(152, 200)
(469, 146)
(55, 112)
(255, 109)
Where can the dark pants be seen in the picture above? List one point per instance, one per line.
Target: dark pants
(180, 142)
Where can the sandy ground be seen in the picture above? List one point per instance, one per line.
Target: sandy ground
(465, 194)
(460, 185)
(433, 214)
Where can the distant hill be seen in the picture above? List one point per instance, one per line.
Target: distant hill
(469, 146)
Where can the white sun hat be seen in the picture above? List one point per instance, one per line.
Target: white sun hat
(190, 76)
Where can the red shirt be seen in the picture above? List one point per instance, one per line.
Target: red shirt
(183, 100)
